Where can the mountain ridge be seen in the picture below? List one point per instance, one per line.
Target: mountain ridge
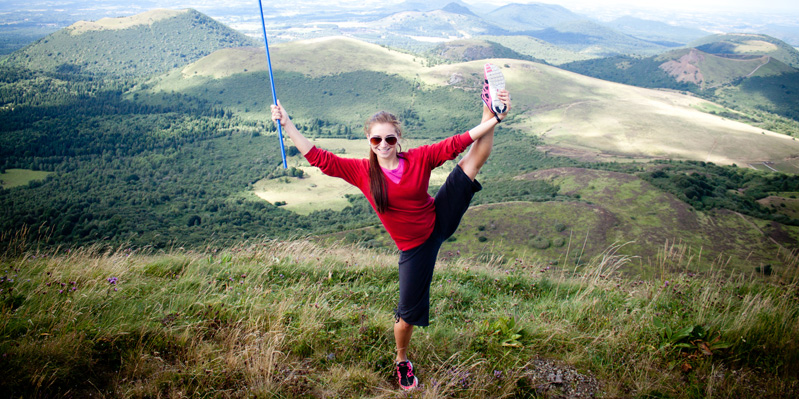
(125, 46)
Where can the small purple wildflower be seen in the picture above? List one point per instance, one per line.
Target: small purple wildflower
(497, 374)
(666, 284)
(112, 280)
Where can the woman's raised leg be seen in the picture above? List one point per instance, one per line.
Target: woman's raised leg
(480, 149)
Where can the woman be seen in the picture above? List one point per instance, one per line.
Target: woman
(396, 183)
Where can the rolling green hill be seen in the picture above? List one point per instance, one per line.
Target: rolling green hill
(435, 24)
(593, 38)
(538, 49)
(655, 31)
(618, 208)
(473, 49)
(144, 44)
(759, 88)
(748, 44)
(528, 17)
(710, 70)
(573, 113)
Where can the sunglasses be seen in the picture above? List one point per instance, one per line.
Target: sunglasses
(390, 140)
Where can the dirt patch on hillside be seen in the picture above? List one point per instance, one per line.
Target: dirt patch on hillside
(592, 155)
(684, 69)
(581, 176)
(778, 233)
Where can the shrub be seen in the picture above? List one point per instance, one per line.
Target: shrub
(539, 242)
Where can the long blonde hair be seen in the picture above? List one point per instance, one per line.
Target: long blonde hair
(377, 181)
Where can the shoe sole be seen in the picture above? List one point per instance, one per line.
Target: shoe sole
(496, 82)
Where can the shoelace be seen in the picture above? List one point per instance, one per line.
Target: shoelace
(410, 370)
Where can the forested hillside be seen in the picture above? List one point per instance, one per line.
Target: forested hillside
(149, 43)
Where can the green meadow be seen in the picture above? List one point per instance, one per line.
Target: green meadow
(293, 319)
(20, 177)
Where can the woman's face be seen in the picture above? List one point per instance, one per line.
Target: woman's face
(384, 132)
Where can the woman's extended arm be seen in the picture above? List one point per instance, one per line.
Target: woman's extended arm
(302, 143)
(485, 127)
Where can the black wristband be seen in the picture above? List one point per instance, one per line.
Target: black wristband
(498, 120)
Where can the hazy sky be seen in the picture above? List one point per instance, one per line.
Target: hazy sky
(678, 5)
(686, 5)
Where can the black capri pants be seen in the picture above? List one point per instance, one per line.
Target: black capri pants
(416, 265)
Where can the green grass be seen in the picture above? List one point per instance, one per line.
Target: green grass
(294, 319)
(20, 177)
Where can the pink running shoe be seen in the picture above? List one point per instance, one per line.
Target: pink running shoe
(407, 380)
(494, 81)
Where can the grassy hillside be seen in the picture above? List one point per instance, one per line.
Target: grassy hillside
(748, 44)
(537, 48)
(571, 112)
(472, 49)
(316, 57)
(153, 42)
(435, 24)
(710, 71)
(528, 17)
(181, 159)
(756, 89)
(593, 38)
(656, 31)
(292, 319)
(620, 208)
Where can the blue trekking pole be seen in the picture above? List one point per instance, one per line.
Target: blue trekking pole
(272, 81)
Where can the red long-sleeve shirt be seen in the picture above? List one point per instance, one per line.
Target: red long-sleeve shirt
(411, 215)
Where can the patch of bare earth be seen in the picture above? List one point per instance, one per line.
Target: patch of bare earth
(585, 155)
(551, 379)
(685, 69)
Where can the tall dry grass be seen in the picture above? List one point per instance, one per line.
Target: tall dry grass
(297, 319)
